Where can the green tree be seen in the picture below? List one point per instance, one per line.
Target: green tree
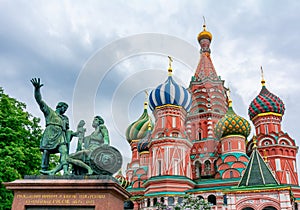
(189, 202)
(20, 135)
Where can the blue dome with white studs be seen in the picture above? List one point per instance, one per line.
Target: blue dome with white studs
(170, 93)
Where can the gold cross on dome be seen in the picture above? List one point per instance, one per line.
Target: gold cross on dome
(146, 95)
(262, 73)
(146, 100)
(170, 66)
(170, 62)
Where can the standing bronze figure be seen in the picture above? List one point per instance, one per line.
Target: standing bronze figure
(56, 137)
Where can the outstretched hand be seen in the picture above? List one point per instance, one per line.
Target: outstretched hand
(36, 82)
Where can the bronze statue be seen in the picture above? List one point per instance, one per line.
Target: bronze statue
(81, 158)
(93, 155)
(96, 156)
(57, 136)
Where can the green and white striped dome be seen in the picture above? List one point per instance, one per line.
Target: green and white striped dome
(138, 129)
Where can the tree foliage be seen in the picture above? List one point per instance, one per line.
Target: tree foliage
(189, 202)
(20, 135)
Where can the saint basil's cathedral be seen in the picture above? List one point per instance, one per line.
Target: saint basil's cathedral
(198, 145)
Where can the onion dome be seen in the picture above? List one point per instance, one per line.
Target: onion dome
(122, 180)
(232, 124)
(138, 129)
(170, 93)
(143, 145)
(265, 102)
(204, 34)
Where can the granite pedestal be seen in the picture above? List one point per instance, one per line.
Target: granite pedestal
(68, 193)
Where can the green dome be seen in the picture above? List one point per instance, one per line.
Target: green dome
(232, 124)
(138, 129)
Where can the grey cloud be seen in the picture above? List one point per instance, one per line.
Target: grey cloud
(54, 40)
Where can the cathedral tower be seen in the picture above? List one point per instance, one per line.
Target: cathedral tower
(266, 111)
(209, 104)
(232, 130)
(134, 134)
(169, 146)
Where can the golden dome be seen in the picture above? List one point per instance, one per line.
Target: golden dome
(204, 34)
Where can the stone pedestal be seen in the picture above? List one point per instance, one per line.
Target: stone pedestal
(68, 193)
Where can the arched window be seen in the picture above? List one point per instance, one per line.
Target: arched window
(248, 208)
(175, 169)
(288, 177)
(278, 164)
(171, 201)
(159, 168)
(154, 201)
(276, 128)
(215, 166)
(163, 122)
(212, 199)
(231, 174)
(266, 129)
(180, 199)
(225, 199)
(207, 166)
(198, 169)
(173, 122)
(199, 135)
(175, 134)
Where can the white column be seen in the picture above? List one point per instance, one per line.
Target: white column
(175, 200)
(166, 200)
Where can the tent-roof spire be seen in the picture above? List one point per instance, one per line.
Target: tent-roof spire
(257, 172)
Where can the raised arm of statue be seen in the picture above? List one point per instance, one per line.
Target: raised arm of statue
(36, 82)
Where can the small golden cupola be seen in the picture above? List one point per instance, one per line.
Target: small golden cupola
(204, 39)
(204, 34)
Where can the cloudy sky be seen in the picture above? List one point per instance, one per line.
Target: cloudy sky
(100, 56)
